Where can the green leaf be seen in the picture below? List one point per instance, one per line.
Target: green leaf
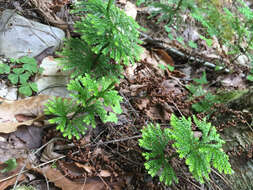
(205, 104)
(113, 33)
(162, 66)
(40, 70)
(155, 140)
(11, 165)
(196, 90)
(180, 40)
(202, 80)
(4, 68)
(18, 70)
(25, 89)
(13, 78)
(14, 60)
(28, 60)
(199, 153)
(250, 77)
(208, 41)
(192, 44)
(171, 68)
(32, 67)
(24, 77)
(33, 86)
(139, 2)
(218, 68)
(167, 28)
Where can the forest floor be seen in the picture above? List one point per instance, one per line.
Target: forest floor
(109, 156)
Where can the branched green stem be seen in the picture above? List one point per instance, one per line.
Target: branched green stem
(98, 56)
(108, 7)
(83, 109)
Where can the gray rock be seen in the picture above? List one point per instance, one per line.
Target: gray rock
(22, 37)
(52, 81)
(9, 93)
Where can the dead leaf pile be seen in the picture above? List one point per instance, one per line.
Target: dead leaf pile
(156, 92)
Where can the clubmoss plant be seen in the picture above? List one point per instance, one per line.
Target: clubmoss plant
(200, 153)
(109, 38)
(109, 31)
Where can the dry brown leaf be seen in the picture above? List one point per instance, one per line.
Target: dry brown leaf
(55, 176)
(10, 111)
(87, 168)
(105, 173)
(10, 127)
(71, 170)
(143, 103)
(28, 106)
(158, 112)
(165, 56)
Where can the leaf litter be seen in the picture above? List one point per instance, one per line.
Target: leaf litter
(152, 91)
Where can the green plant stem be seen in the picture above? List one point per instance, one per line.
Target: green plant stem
(98, 56)
(83, 109)
(108, 7)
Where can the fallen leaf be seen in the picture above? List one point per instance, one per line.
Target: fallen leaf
(9, 150)
(87, 168)
(105, 173)
(10, 127)
(56, 177)
(71, 170)
(11, 112)
(32, 106)
(165, 56)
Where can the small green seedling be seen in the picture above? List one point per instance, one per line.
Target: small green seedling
(250, 76)
(163, 67)
(197, 90)
(11, 165)
(109, 39)
(200, 153)
(4, 68)
(27, 67)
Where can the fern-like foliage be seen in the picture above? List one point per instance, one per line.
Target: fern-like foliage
(79, 59)
(108, 38)
(108, 31)
(197, 91)
(61, 109)
(206, 104)
(200, 153)
(156, 140)
(91, 98)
